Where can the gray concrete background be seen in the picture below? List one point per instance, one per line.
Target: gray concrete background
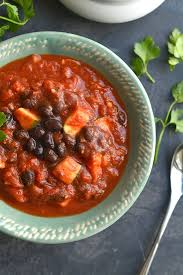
(120, 249)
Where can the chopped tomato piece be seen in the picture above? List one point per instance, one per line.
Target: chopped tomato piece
(95, 166)
(3, 158)
(19, 86)
(11, 177)
(103, 123)
(18, 194)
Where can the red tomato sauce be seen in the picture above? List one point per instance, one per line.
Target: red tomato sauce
(67, 136)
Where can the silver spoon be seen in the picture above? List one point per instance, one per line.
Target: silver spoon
(176, 179)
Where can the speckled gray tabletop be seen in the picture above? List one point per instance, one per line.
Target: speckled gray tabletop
(119, 250)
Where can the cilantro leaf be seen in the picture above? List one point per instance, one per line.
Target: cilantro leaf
(3, 29)
(2, 122)
(12, 12)
(173, 61)
(138, 66)
(173, 116)
(175, 48)
(174, 35)
(146, 50)
(178, 49)
(177, 92)
(27, 6)
(2, 118)
(12, 18)
(177, 119)
(2, 135)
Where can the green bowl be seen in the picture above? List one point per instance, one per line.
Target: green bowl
(142, 132)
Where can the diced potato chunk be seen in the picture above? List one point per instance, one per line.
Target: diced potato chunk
(77, 120)
(26, 118)
(67, 170)
(95, 166)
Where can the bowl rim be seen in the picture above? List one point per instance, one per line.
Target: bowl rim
(139, 85)
(116, 11)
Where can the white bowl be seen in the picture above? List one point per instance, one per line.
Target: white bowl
(112, 11)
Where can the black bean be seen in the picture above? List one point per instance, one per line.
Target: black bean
(58, 138)
(31, 145)
(57, 109)
(89, 133)
(37, 132)
(29, 103)
(28, 177)
(53, 124)
(80, 148)
(46, 110)
(83, 150)
(122, 117)
(61, 149)
(69, 141)
(24, 95)
(48, 140)
(50, 155)
(39, 150)
(21, 135)
(101, 141)
(9, 119)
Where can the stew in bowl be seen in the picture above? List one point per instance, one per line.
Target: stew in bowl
(67, 135)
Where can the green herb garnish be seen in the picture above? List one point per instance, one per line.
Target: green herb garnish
(175, 48)
(2, 122)
(2, 135)
(146, 50)
(12, 19)
(173, 117)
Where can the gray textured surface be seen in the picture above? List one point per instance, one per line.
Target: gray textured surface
(120, 249)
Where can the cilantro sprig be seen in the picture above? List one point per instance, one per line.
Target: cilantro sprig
(175, 48)
(2, 122)
(12, 20)
(174, 116)
(146, 50)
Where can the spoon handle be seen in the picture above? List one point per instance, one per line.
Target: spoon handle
(172, 204)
